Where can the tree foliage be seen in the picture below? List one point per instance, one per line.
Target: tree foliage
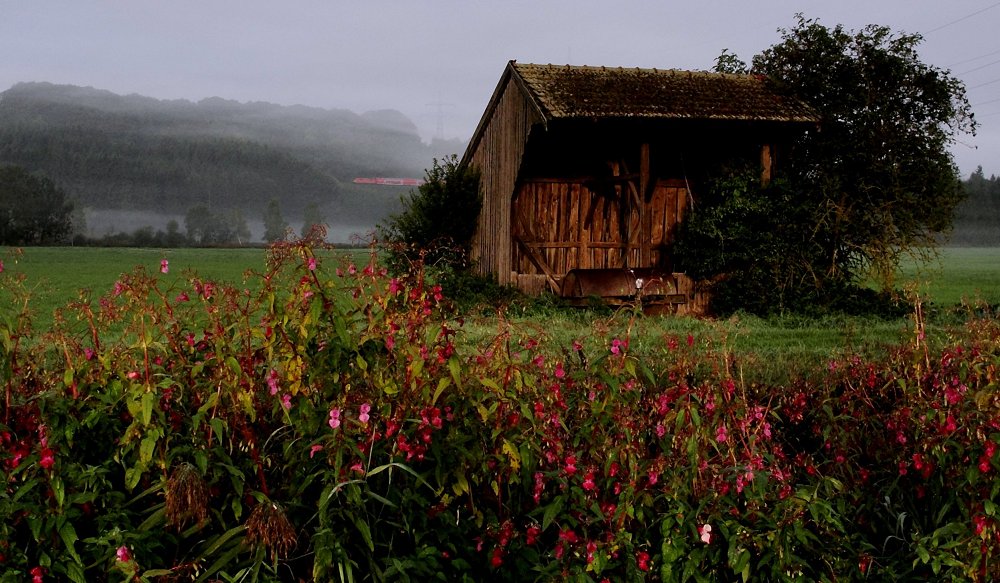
(275, 226)
(33, 210)
(438, 219)
(873, 182)
(879, 172)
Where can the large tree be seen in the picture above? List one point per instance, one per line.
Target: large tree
(878, 174)
(875, 180)
(33, 210)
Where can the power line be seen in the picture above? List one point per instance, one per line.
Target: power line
(985, 102)
(984, 84)
(947, 24)
(974, 58)
(991, 63)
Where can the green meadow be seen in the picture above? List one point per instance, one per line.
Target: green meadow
(775, 348)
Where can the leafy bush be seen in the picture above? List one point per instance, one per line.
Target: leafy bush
(331, 426)
(438, 220)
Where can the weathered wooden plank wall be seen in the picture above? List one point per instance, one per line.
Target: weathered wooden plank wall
(498, 156)
(565, 225)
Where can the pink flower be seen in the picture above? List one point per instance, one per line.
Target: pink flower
(314, 449)
(363, 416)
(588, 481)
(272, 382)
(123, 555)
(560, 372)
(531, 536)
(182, 297)
(335, 418)
(705, 533)
(352, 269)
(286, 401)
(394, 286)
(1, 266)
(164, 266)
(38, 574)
(311, 264)
(88, 353)
(720, 434)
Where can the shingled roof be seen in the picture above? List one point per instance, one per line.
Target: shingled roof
(563, 91)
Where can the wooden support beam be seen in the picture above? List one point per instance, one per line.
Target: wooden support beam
(645, 216)
(540, 263)
(766, 164)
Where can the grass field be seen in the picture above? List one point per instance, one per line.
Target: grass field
(773, 348)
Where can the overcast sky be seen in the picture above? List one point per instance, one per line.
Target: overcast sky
(438, 61)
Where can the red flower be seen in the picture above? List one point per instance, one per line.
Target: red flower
(48, 458)
(642, 560)
(531, 536)
(496, 558)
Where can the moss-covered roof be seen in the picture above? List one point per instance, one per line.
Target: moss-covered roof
(563, 91)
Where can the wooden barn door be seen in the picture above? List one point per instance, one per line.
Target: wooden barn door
(666, 207)
(559, 225)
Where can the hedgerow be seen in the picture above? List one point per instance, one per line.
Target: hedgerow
(330, 425)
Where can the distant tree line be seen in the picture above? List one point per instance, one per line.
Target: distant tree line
(977, 218)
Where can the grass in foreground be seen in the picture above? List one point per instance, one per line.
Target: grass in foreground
(761, 350)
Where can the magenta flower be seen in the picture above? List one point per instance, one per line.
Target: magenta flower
(394, 286)
(272, 382)
(720, 434)
(123, 555)
(365, 408)
(286, 401)
(314, 449)
(164, 266)
(335, 418)
(48, 458)
(311, 264)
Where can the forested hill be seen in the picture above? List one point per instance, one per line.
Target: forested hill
(108, 151)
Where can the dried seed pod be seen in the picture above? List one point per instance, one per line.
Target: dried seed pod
(268, 526)
(187, 496)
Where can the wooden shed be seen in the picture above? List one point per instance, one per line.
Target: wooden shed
(587, 171)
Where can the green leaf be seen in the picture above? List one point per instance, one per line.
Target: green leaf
(551, 511)
(442, 385)
(146, 448)
(58, 491)
(455, 367)
(132, 477)
(148, 398)
(75, 573)
(68, 535)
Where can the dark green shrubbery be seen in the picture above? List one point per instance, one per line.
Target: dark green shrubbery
(438, 221)
(333, 426)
